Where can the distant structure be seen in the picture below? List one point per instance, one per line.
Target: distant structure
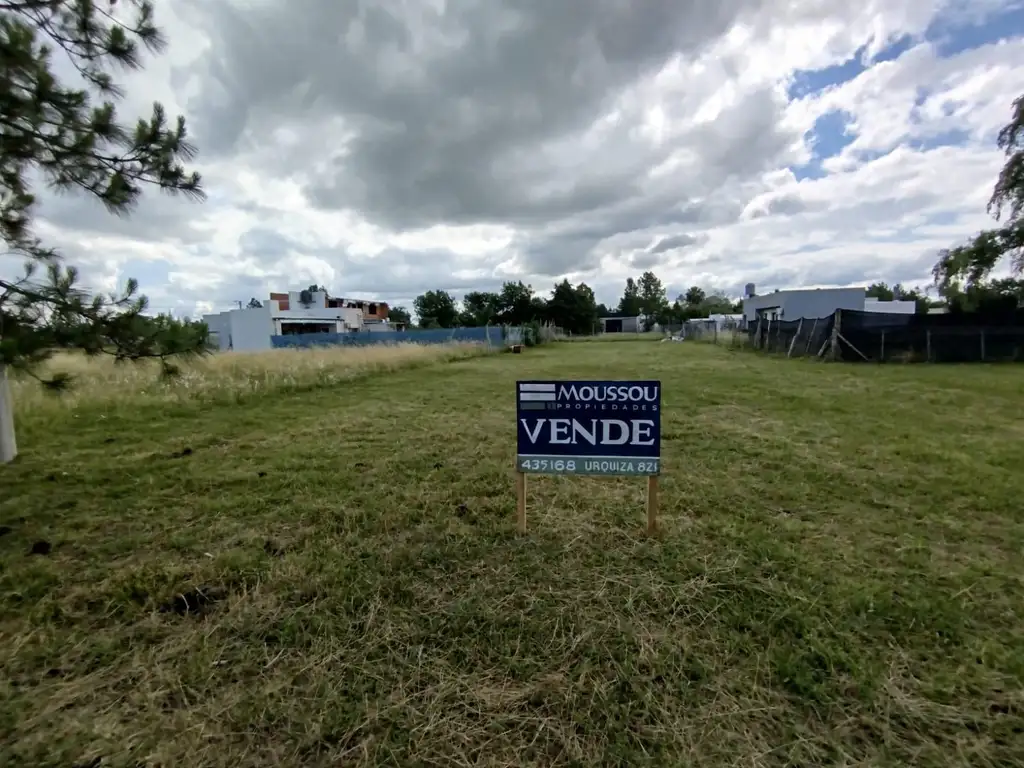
(250, 328)
(372, 310)
(816, 302)
(622, 324)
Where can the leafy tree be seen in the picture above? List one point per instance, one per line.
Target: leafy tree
(603, 311)
(254, 303)
(652, 298)
(716, 304)
(880, 291)
(630, 305)
(574, 309)
(70, 136)
(436, 309)
(694, 296)
(399, 316)
(538, 310)
(993, 296)
(479, 308)
(516, 304)
(883, 292)
(964, 270)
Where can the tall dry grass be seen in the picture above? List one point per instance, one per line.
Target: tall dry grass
(223, 377)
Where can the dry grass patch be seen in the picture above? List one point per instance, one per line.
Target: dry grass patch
(227, 376)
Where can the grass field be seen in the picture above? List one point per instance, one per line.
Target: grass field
(331, 575)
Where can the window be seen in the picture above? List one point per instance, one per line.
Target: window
(296, 329)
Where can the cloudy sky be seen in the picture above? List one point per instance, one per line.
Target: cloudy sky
(386, 147)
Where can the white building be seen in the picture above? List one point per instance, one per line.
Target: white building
(891, 307)
(725, 321)
(816, 302)
(250, 330)
(622, 324)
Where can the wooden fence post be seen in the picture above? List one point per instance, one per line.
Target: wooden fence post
(810, 338)
(795, 337)
(881, 353)
(836, 328)
(928, 345)
(982, 345)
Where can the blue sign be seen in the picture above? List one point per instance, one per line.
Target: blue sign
(588, 427)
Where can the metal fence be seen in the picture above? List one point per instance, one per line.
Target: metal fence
(793, 338)
(485, 335)
(492, 335)
(880, 337)
(728, 333)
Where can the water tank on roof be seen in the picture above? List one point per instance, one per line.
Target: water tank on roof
(748, 289)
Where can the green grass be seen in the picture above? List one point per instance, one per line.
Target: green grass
(333, 577)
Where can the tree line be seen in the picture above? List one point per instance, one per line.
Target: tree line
(573, 308)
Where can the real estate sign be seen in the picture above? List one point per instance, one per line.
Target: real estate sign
(588, 427)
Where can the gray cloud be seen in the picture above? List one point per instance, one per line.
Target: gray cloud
(157, 216)
(470, 115)
(671, 243)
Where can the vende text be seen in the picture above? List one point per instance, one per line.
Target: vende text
(598, 432)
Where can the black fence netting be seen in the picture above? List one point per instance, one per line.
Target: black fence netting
(948, 338)
(795, 338)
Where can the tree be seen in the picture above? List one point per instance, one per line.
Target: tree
(630, 304)
(573, 309)
(436, 309)
(517, 304)
(652, 298)
(993, 296)
(479, 308)
(694, 296)
(716, 304)
(254, 303)
(965, 269)
(880, 291)
(70, 136)
(399, 316)
(883, 292)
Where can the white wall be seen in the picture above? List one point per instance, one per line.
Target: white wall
(809, 303)
(219, 325)
(890, 307)
(242, 330)
(251, 329)
(295, 303)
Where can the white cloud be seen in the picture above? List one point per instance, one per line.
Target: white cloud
(401, 153)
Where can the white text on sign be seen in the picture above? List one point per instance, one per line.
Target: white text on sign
(600, 431)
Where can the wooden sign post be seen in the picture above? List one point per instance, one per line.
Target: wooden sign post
(610, 428)
(521, 501)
